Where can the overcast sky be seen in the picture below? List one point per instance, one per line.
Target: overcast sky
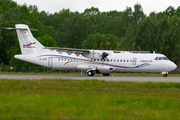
(148, 6)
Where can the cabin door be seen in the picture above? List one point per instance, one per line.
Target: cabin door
(50, 62)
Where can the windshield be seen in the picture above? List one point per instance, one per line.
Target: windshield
(165, 58)
(161, 58)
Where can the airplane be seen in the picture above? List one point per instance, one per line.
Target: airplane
(89, 61)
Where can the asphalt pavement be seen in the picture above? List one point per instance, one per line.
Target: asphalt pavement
(106, 78)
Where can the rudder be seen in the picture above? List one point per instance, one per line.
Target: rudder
(28, 44)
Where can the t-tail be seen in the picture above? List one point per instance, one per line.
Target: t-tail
(28, 44)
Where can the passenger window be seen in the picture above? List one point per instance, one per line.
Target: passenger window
(121, 60)
(127, 60)
(107, 60)
(118, 60)
(114, 60)
(130, 60)
(124, 60)
(156, 58)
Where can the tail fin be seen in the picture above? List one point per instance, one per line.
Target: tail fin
(28, 44)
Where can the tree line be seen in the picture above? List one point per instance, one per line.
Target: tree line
(126, 30)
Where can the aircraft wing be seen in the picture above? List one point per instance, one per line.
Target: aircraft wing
(84, 52)
(70, 50)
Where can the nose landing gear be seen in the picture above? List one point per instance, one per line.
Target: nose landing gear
(165, 74)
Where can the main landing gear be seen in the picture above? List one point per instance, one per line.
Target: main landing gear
(105, 74)
(91, 73)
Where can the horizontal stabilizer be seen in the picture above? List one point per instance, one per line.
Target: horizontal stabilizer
(9, 28)
(28, 44)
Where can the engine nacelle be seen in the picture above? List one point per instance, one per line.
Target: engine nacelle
(97, 54)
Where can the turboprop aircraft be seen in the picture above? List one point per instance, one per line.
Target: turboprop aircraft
(90, 61)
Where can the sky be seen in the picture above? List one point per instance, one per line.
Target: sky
(53, 6)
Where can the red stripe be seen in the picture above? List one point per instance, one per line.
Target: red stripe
(29, 46)
(82, 61)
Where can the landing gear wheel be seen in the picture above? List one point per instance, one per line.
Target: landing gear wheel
(105, 74)
(90, 73)
(164, 75)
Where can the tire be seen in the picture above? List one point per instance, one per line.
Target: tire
(105, 74)
(90, 73)
(164, 75)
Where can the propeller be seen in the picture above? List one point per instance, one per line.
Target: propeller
(104, 55)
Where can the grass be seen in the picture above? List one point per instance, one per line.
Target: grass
(88, 99)
(84, 74)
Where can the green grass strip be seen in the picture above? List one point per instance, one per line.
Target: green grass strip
(88, 99)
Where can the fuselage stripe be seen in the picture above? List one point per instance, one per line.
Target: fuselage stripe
(92, 62)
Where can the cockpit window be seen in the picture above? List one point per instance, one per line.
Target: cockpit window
(160, 58)
(165, 58)
(156, 58)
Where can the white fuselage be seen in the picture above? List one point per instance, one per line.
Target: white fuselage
(115, 62)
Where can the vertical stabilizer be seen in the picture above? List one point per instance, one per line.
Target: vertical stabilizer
(28, 44)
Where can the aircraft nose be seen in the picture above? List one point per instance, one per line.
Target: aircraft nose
(175, 66)
(172, 66)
